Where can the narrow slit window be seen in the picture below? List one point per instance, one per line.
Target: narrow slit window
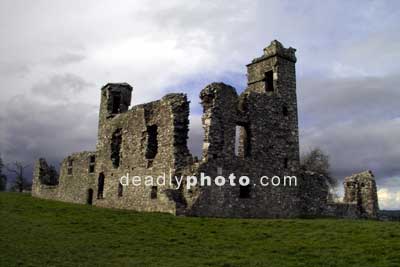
(120, 190)
(237, 140)
(285, 163)
(242, 141)
(100, 186)
(116, 141)
(70, 166)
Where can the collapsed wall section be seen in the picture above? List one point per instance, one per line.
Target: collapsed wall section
(76, 178)
(41, 174)
(360, 190)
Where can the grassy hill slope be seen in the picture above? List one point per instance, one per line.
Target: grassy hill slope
(36, 232)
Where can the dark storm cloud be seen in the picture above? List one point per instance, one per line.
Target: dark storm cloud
(356, 146)
(349, 99)
(68, 58)
(61, 86)
(357, 121)
(34, 126)
(31, 129)
(13, 68)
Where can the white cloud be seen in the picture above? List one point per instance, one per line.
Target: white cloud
(62, 87)
(389, 199)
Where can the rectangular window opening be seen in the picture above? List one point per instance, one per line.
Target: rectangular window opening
(91, 169)
(152, 142)
(100, 186)
(153, 194)
(92, 163)
(244, 191)
(120, 190)
(116, 103)
(269, 81)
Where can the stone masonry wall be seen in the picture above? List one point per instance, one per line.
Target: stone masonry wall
(360, 190)
(253, 134)
(268, 140)
(73, 185)
(153, 142)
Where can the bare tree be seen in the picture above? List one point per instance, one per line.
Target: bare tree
(18, 169)
(317, 160)
(3, 177)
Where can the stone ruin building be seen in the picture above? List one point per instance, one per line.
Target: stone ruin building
(361, 189)
(252, 134)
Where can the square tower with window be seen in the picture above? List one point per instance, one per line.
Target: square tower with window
(271, 107)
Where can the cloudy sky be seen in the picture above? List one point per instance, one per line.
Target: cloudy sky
(55, 56)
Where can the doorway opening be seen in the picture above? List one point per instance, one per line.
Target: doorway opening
(89, 200)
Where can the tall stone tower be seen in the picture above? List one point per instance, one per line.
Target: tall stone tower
(115, 99)
(271, 105)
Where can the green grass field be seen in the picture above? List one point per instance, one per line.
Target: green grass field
(36, 232)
